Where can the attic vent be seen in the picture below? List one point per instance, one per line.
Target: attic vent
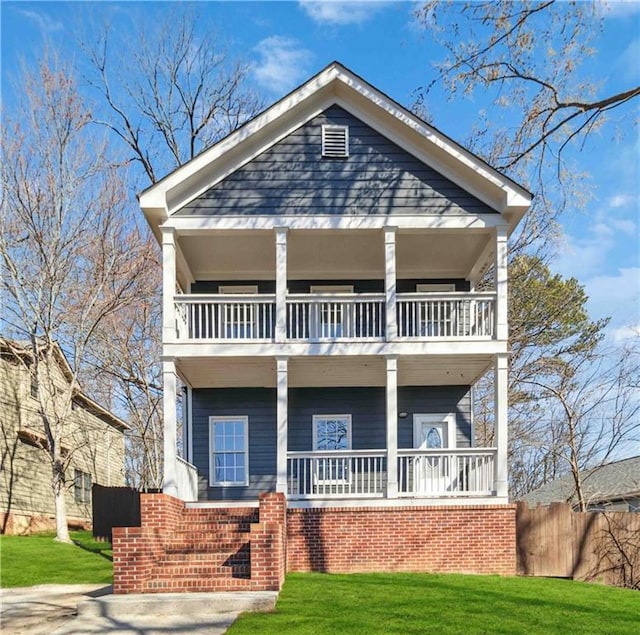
(335, 141)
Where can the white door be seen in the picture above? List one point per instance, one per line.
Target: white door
(432, 471)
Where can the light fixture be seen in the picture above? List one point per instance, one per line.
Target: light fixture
(403, 415)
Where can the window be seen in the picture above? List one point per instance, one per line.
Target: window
(82, 486)
(436, 316)
(331, 319)
(34, 386)
(239, 317)
(331, 433)
(335, 142)
(229, 445)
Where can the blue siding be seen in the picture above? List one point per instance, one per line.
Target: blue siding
(378, 177)
(366, 405)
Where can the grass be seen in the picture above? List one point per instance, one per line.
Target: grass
(39, 559)
(444, 604)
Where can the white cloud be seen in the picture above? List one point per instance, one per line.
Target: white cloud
(282, 65)
(340, 12)
(43, 21)
(616, 296)
(626, 333)
(625, 226)
(619, 8)
(620, 200)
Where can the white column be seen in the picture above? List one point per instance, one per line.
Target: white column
(392, 427)
(169, 397)
(501, 388)
(390, 281)
(281, 284)
(500, 278)
(282, 420)
(168, 284)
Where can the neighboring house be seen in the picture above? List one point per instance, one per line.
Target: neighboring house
(322, 308)
(93, 435)
(609, 487)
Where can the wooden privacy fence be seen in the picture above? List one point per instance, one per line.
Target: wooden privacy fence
(114, 507)
(555, 541)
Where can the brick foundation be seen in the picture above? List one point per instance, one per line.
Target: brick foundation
(179, 549)
(422, 539)
(22, 524)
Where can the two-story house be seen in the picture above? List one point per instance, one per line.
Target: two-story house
(92, 441)
(322, 311)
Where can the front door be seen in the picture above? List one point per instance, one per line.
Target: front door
(432, 432)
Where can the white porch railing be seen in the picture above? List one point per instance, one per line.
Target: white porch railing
(336, 474)
(334, 317)
(186, 480)
(458, 472)
(323, 316)
(225, 317)
(427, 315)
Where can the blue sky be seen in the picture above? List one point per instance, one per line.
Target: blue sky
(286, 42)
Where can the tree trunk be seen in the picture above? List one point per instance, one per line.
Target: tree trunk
(57, 482)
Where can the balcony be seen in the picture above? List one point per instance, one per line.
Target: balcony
(339, 474)
(321, 317)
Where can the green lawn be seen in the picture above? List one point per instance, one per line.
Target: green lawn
(444, 604)
(39, 559)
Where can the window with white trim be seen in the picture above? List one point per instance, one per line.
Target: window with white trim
(335, 142)
(239, 317)
(331, 433)
(332, 319)
(229, 450)
(436, 316)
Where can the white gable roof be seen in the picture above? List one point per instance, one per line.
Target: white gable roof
(335, 85)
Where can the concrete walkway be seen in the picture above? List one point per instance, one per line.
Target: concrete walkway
(51, 610)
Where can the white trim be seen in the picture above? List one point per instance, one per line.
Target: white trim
(335, 84)
(190, 424)
(212, 420)
(333, 137)
(438, 287)
(196, 224)
(447, 418)
(331, 288)
(330, 416)
(238, 289)
(282, 422)
(377, 503)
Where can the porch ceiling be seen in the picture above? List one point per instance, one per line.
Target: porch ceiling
(333, 254)
(253, 372)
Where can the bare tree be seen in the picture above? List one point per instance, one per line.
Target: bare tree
(183, 92)
(166, 97)
(70, 257)
(527, 54)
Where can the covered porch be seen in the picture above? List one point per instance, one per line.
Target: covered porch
(323, 430)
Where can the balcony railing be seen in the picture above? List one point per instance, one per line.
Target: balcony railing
(427, 315)
(459, 472)
(363, 473)
(334, 317)
(225, 317)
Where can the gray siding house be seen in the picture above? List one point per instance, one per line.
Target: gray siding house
(322, 310)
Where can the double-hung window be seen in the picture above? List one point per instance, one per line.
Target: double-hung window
(331, 433)
(229, 451)
(81, 486)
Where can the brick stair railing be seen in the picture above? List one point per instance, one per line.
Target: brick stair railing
(201, 549)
